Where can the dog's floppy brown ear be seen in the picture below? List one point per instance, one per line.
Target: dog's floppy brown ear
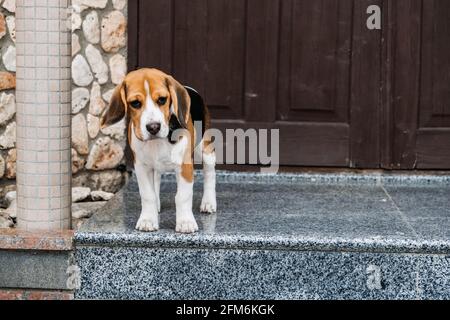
(117, 107)
(181, 102)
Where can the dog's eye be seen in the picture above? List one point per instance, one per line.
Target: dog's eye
(136, 104)
(161, 101)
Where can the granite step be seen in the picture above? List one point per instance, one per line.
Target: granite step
(289, 236)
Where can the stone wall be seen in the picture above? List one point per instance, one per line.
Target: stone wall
(7, 97)
(99, 38)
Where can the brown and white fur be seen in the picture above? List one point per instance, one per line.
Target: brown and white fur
(148, 98)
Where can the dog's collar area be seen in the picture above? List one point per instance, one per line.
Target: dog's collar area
(191, 89)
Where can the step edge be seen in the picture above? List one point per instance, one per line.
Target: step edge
(417, 179)
(250, 242)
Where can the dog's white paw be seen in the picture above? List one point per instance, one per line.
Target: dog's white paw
(147, 224)
(209, 204)
(186, 224)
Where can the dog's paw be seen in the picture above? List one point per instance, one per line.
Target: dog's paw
(147, 224)
(186, 224)
(209, 204)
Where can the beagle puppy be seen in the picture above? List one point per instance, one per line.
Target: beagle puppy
(157, 107)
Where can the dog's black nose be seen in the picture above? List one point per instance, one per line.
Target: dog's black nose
(154, 128)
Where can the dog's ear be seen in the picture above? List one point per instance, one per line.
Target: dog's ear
(117, 107)
(181, 102)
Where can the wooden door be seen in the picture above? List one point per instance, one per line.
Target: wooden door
(342, 95)
(295, 65)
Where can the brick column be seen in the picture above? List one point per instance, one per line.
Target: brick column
(43, 115)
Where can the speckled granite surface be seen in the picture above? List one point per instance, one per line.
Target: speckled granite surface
(149, 273)
(287, 236)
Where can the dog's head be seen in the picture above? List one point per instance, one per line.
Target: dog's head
(151, 99)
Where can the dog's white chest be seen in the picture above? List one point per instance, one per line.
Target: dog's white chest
(159, 154)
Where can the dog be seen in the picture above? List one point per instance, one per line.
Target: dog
(155, 106)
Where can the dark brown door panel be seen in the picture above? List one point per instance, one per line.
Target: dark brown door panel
(421, 84)
(342, 95)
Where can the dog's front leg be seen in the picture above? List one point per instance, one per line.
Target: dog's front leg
(148, 220)
(183, 200)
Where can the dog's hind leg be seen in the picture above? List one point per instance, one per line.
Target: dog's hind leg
(209, 202)
(157, 183)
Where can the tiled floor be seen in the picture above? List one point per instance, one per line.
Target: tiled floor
(345, 210)
(285, 237)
